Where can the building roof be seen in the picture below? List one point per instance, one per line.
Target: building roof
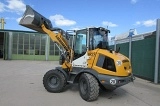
(9, 30)
(137, 37)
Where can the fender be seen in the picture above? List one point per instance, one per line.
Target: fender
(80, 71)
(63, 71)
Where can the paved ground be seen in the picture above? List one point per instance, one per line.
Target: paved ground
(21, 85)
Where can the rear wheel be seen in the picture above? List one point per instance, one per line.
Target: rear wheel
(88, 87)
(54, 81)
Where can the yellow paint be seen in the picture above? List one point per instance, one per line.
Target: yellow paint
(120, 70)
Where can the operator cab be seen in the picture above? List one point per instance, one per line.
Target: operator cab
(98, 38)
(89, 39)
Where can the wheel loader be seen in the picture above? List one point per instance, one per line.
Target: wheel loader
(85, 59)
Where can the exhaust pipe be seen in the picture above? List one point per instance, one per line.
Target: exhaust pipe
(33, 20)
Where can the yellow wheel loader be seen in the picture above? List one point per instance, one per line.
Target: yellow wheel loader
(86, 59)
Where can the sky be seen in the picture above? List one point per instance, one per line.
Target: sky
(118, 15)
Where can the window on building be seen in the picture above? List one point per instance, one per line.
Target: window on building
(15, 43)
(32, 43)
(43, 44)
(26, 44)
(29, 43)
(51, 52)
(20, 43)
(37, 45)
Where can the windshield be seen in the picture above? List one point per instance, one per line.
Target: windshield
(98, 39)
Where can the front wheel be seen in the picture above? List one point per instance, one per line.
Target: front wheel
(88, 87)
(54, 81)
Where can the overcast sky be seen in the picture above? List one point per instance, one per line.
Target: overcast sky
(119, 15)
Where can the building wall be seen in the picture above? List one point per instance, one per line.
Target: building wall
(30, 46)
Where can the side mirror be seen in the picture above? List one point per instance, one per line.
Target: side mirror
(67, 36)
(117, 50)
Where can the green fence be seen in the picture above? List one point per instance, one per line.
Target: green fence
(143, 58)
(124, 48)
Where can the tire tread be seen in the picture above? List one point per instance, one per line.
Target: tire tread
(63, 79)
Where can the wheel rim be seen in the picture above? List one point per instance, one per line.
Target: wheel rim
(83, 87)
(53, 81)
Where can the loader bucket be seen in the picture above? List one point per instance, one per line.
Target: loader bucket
(33, 20)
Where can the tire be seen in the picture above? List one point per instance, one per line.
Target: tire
(88, 87)
(54, 81)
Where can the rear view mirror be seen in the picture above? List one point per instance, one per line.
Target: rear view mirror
(67, 36)
(117, 50)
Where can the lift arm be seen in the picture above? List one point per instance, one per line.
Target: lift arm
(59, 39)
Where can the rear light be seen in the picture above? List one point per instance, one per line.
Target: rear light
(121, 81)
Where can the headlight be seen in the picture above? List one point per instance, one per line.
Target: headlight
(119, 62)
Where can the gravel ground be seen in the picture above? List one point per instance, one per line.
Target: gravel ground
(21, 85)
